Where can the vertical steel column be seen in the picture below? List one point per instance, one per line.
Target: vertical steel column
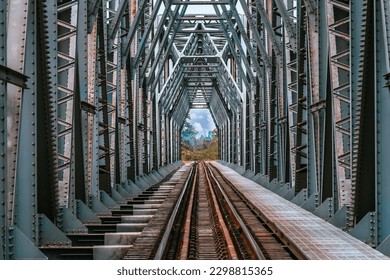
(263, 100)
(123, 158)
(170, 139)
(158, 133)
(15, 57)
(257, 146)
(178, 148)
(322, 106)
(222, 151)
(19, 194)
(48, 152)
(233, 137)
(92, 157)
(144, 97)
(175, 142)
(383, 118)
(132, 99)
(163, 149)
(131, 171)
(239, 137)
(276, 33)
(167, 139)
(26, 180)
(3, 136)
(120, 118)
(313, 104)
(221, 146)
(80, 116)
(273, 151)
(226, 151)
(363, 173)
(155, 134)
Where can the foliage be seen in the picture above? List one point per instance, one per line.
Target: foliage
(188, 134)
(205, 148)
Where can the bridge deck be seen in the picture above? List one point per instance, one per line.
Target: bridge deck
(316, 238)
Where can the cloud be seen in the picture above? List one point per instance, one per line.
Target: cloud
(197, 114)
(211, 124)
(202, 120)
(199, 129)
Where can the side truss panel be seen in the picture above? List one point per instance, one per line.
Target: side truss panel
(94, 94)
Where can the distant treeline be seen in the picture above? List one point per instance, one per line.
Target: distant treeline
(202, 148)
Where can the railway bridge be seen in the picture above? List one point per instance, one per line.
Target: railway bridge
(94, 95)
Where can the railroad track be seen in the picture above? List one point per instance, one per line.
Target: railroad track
(212, 220)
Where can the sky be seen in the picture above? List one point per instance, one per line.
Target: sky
(202, 121)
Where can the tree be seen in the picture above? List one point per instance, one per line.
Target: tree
(203, 148)
(188, 134)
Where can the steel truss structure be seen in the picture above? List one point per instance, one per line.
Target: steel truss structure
(93, 95)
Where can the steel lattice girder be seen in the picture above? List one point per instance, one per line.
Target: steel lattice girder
(298, 90)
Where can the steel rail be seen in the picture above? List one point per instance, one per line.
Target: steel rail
(230, 247)
(164, 242)
(246, 233)
(295, 251)
(187, 225)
